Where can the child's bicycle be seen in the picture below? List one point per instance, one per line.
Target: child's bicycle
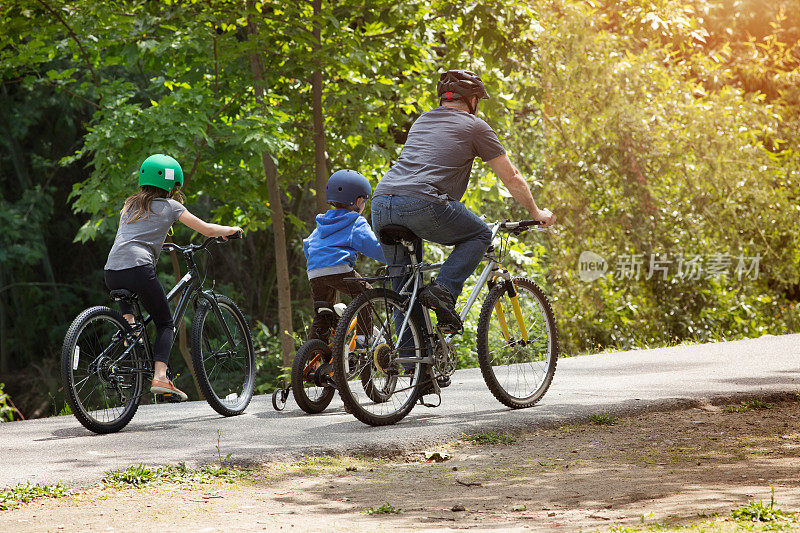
(312, 383)
(408, 357)
(106, 364)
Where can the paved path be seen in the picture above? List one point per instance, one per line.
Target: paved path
(60, 449)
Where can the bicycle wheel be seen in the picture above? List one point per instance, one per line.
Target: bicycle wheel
(311, 371)
(225, 370)
(375, 387)
(517, 367)
(102, 391)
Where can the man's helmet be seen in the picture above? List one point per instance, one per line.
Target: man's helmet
(461, 83)
(161, 171)
(345, 186)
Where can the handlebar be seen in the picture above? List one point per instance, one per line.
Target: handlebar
(519, 226)
(191, 248)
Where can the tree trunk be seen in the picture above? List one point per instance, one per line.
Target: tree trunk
(274, 194)
(320, 159)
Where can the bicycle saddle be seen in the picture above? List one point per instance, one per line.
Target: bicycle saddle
(393, 234)
(122, 294)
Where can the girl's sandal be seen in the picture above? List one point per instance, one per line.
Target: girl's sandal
(166, 387)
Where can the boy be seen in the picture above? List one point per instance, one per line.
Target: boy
(332, 248)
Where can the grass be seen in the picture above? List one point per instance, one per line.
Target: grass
(748, 405)
(489, 437)
(142, 475)
(755, 516)
(15, 496)
(386, 508)
(603, 419)
(758, 512)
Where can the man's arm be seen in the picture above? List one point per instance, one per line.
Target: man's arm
(518, 187)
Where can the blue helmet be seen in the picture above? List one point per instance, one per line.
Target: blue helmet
(345, 186)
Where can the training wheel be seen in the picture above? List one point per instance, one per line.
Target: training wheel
(279, 399)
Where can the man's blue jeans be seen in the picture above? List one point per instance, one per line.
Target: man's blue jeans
(451, 224)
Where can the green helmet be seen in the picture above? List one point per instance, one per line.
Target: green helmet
(161, 171)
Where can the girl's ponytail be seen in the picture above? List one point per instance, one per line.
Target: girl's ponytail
(137, 206)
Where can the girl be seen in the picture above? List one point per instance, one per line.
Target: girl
(145, 220)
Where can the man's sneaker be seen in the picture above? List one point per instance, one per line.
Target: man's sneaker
(436, 297)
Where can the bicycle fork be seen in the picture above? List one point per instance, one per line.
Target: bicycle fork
(498, 306)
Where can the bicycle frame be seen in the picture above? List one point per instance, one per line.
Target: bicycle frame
(187, 287)
(489, 274)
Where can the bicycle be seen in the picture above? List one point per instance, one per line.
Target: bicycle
(312, 382)
(408, 357)
(105, 362)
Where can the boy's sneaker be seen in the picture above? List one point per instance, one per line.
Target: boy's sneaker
(436, 297)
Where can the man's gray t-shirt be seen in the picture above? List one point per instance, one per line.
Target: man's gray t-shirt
(436, 160)
(139, 243)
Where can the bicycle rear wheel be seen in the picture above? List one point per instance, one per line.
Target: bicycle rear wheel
(517, 366)
(225, 370)
(374, 385)
(310, 374)
(102, 392)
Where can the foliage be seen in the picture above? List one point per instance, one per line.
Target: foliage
(603, 419)
(134, 476)
(645, 159)
(758, 512)
(15, 496)
(141, 475)
(386, 508)
(748, 405)
(6, 410)
(270, 373)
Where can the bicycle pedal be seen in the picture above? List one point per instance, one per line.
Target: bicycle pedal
(170, 398)
(451, 329)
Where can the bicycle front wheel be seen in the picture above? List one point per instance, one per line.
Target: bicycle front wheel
(102, 387)
(311, 375)
(517, 343)
(222, 356)
(378, 377)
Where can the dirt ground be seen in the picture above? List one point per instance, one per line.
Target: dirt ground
(678, 469)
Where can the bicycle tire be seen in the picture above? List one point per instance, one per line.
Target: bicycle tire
(359, 399)
(89, 350)
(313, 352)
(543, 370)
(226, 380)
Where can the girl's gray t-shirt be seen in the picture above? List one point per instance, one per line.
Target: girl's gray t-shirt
(139, 243)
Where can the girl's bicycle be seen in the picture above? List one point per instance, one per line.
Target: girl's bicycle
(407, 357)
(106, 363)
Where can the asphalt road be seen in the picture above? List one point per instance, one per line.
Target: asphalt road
(60, 449)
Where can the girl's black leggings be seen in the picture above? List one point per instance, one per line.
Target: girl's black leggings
(143, 281)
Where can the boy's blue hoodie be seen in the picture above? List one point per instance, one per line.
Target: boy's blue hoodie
(333, 247)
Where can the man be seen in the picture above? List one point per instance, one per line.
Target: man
(422, 191)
